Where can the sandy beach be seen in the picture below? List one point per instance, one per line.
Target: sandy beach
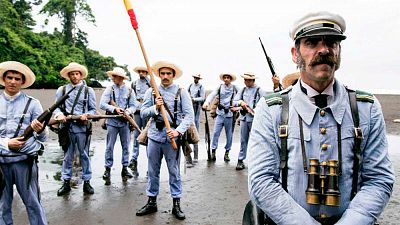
(213, 193)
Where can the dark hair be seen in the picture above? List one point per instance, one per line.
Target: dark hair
(14, 71)
(173, 71)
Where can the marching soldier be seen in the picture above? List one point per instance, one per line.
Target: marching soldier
(247, 99)
(140, 87)
(180, 107)
(117, 99)
(82, 101)
(18, 158)
(197, 93)
(226, 113)
(325, 142)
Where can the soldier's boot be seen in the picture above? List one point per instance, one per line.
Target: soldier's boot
(196, 154)
(125, 173)
(240, 165)
(189, 161)
(107, 174)
(213, 157)
(150, 207)
(133, 166)
(65, 188)
(87, 188)
(176, 209)
(226, 156)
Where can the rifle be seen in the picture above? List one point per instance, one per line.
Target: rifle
(271, 66)
(207, 137)
(131, 121)
(90, 117)
(249, 110)
(45, 116)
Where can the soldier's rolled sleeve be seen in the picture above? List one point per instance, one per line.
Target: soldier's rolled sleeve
(211, 96)
(188, 112)
(148, 109)
(263, 178)
(132, 104)
(105, 101)
(376, 174)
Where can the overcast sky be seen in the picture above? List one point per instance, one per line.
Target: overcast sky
(215, 36)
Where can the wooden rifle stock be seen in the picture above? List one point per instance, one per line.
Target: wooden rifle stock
(127, 117)
(90, 117)
(46, 115)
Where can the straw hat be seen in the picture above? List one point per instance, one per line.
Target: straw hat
(164, 64)
(197, 76)
(138, 68)
(19, 67)
(73, 66)
(249, 76)
(233, 76)
(289, 79)
(118, 71)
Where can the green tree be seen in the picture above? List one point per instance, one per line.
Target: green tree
(67, 11)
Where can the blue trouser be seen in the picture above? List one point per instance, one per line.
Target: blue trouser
(245, 128)
(17, 173)
(78, 141)
(220, 122)
(141, 123)
(155, 152)
(124, 137)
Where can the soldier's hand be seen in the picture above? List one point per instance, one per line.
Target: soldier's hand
(275, 81)
(171, 133)
(83, 117)
(243, 104)
(15, 144)
(159, 102)
(37, 126)
(61, 118)
(205, 106)
(234, 109)
(119, 111)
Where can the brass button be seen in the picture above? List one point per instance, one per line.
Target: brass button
(322, 130)
(324, 146)
(322, 112)
(323, 216)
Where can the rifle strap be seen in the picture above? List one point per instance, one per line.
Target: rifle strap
(86, 101)
(22, 117)
(357, 141)
(76, 100)
(283, 134)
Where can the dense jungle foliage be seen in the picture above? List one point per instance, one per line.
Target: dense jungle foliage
(47, 53)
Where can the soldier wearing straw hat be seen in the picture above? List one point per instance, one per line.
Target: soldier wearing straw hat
(140, 87)
(225, 113)
(180, 115)
(247, 99)
(82, 101)
(120, 100)
(319, 152)
(18, 158)
(197, 93)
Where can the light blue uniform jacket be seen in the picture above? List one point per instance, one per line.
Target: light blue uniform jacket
(184, 106)
(248, 97)
(376, 176)
(11, 112)
(227, 93)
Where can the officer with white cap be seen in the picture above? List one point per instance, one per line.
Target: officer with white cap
(319, 153)
(18, 158)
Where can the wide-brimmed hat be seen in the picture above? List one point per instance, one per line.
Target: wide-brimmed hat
(289, 79)
(19, 67)
(164, 64)
(118, 71)
(140, 68)
(319, 24)
(233, 76)
(197, 76)
(73, 66)
(249, 76)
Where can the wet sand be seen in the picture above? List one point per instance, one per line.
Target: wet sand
(213, 193)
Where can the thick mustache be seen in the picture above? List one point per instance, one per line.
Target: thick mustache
(324, 59)
(165, 80)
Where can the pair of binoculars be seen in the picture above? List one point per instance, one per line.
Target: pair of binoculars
(323, 183)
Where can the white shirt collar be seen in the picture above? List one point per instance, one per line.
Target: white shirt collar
(312, 93)
(9, 97)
